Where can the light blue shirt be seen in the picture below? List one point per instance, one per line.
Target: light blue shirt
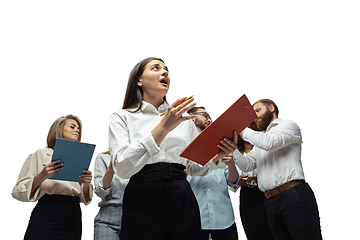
(211, 192)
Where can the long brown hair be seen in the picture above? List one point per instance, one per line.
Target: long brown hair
(134, 94)
(56, 129)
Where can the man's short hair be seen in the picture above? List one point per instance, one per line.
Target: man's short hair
(268, 102)
(194, 109)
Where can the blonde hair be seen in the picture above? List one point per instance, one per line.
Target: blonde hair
(56, 129)
(106, 152)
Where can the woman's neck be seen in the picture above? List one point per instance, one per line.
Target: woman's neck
(155, 101)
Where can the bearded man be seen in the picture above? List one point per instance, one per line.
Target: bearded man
(289, 201)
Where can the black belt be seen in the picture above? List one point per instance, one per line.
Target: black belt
(161, 171)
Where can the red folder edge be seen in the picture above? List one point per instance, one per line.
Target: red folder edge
(237, 117)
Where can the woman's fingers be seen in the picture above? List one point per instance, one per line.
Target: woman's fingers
(56, 170)
(180, 106)
(86, 176)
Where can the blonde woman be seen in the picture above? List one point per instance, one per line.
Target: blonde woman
(57, 214)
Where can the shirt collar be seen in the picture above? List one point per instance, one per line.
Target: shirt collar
(148, 107)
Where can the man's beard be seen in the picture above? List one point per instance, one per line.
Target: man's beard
(200, 125)
(264, 121)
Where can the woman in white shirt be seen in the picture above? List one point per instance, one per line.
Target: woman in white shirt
(57, 214)
(110, 188)
(145, 147)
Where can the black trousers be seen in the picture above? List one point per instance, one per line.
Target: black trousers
(253, 214)
(294, 215)
(55, 217)
(229, 233)
(159, 204)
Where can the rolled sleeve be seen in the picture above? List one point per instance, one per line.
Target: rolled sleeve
(150, 145)
(82, 194)
(100, 191)
(128, 157)
(229, 183)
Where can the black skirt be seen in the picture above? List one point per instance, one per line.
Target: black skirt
(55, 217)
(159, 204)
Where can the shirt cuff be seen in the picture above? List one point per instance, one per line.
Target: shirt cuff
(233, 185)
(82, 195)
(100, 191)
(150, 145)
(211, 166)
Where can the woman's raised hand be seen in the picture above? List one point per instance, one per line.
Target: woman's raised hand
(172, 118)
(174, 114)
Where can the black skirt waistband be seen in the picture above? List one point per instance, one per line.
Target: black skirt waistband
(59, 198)
(161, 171)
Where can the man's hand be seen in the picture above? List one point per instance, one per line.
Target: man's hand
(251, 181)
(242, 181)
(227, 146)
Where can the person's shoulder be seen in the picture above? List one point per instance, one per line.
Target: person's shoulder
(103, 157)
(289, 124)
(44, 151)
(280, 121)
(40, 154)
(120, 115)
(120, 111)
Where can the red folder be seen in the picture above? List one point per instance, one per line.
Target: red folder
(237, 117)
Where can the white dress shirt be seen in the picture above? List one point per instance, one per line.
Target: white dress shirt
(114, 194)
(132, 145)
(276, 154)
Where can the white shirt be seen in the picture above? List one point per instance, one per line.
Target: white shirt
(132, 145)
(276, 154)
(114, 194)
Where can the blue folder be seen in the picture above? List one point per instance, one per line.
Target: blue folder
(75, 156)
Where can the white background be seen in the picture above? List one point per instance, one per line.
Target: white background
(62, 57)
